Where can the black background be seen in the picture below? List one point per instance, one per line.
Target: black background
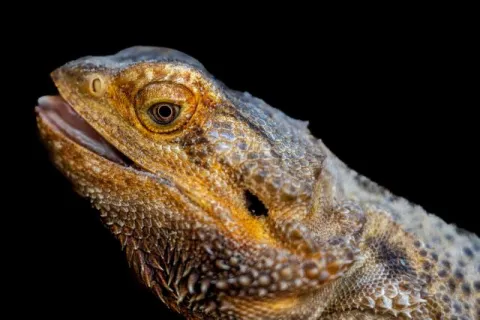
(395, 103)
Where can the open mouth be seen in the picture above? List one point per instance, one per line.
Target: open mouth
(59, 114)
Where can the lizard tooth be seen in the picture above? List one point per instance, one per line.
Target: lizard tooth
(204, 285)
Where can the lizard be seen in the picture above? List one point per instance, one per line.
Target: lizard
(227, 208)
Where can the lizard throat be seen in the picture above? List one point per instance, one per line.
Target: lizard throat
(62, 117)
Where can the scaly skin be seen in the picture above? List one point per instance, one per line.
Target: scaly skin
(333, 245)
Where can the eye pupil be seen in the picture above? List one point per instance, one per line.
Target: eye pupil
(164, 113)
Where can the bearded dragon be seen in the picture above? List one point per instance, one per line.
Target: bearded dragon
(227, 208)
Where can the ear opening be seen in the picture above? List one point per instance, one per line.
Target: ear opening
(255, 206)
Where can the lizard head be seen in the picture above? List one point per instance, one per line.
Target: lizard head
(175, 162)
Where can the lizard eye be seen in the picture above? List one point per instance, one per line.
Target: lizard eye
(165, 107)
(164, 113)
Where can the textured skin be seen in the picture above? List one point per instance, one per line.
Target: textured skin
(334, 245)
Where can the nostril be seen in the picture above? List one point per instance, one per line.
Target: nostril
(97, 85)
(255, 206)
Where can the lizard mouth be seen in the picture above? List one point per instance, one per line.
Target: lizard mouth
(61, 116)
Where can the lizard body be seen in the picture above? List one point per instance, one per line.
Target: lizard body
(227, 208)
